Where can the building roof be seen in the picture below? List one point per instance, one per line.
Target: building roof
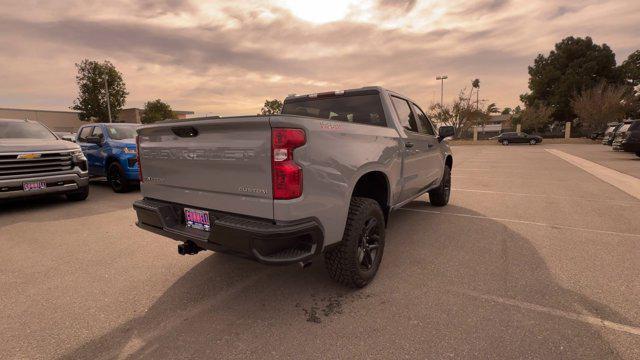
(499, 118)
(40, 110)
(179, 112)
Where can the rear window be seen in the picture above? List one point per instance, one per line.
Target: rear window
(356, 108)
(624, 128)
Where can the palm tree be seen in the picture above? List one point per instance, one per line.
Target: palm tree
(476, 84)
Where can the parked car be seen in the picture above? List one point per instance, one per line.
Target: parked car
(111, 152)
(596, 135)
(628, 137)
(610, 133)
(518, 137)
(33, 161)
(322, 177)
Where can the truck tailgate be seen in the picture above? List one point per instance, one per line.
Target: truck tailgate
(219, 164)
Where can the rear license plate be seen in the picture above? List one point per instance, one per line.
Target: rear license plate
(197, 219)
(34, 185)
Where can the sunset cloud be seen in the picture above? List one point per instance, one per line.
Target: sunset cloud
(226, 58)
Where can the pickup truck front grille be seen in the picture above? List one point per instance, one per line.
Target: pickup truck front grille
(26, 165)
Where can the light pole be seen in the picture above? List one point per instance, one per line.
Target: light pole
(106, 88)
(442, 78)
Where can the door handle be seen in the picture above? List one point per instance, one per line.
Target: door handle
(408, 144)
(429, 146)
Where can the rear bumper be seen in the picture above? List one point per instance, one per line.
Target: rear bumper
(56, 184)
(262, 240)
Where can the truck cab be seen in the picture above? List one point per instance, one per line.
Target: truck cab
(111, 152)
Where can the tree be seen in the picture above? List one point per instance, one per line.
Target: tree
(92, 95)
(631, 69)
(506, 111)
(461, 114)
(575, 64)
(476, 85)
(536, 116)
(603, 103)
(157, 110)
(271, 107)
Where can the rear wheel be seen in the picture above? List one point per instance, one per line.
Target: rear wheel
(440, 195)
(116, 178)
(355, 261)
(79, 195)
(638, 153)
(505, 142)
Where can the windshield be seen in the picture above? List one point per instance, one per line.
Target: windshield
(25, 130)
(121, 132)
(624, 128)
(362, 109)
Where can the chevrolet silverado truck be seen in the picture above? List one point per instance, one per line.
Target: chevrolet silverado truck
(322, 177)
(34, 161)
(111, 152)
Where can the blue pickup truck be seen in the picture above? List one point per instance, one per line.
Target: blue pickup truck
(110, 150)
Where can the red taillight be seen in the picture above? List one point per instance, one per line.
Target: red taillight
(286, 174)
(138, 158)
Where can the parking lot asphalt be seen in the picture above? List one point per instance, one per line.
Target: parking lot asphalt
(532, 258)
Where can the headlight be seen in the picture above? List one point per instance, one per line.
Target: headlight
(78, 155)
(79, 159)
(129, 151)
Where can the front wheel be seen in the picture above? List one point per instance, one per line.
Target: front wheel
(117, 179)
(638, 153)
(505, 142)
(532, 142)
(355, 261)
(440, 195)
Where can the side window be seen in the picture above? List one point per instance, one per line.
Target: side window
(97, 132)
(85, 133)
(407, 120)
(425, 124)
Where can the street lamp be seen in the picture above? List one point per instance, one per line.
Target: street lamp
(442, 78)
(106, 88)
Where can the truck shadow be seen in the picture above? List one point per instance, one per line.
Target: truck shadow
(101, 200)
(230, 307)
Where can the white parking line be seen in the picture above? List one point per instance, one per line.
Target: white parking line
(624, 182)
(543, 309)
(524, 222)
(470, 169)
(623, 203)
(510, 179)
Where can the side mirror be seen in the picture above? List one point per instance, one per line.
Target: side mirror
(445, 132)
(94, 140)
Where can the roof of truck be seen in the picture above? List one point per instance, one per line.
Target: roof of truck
(378, 88)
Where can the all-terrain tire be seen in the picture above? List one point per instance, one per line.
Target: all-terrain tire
(343, 262)
(440, 195)
(78, 195)
(116, 178)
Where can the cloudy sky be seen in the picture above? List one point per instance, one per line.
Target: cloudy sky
(226, 57)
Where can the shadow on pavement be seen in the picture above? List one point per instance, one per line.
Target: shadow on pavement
(230, 307)
(56, 207)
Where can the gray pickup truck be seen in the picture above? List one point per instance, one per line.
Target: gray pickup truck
(321, 177)
(34, 161)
